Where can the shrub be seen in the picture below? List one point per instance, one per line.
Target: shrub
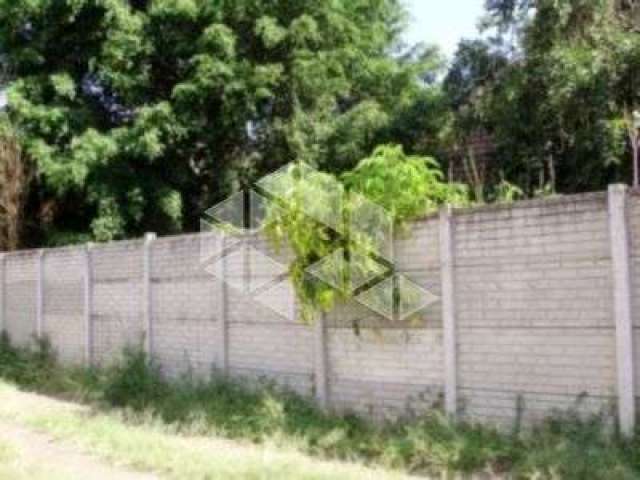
(563, 447)
(9, 358)
(433, 443)
(134, 381)
(569, 447)
(406, 186)
(34, 365)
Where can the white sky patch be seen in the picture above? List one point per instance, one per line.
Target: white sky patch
(444, 23)
(3, 99)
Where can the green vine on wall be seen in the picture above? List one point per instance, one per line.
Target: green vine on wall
(313, 207)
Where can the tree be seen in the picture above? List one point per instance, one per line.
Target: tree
(15, 180)
(407, 187)
(469, 86)
(141, 114)
(556, 108)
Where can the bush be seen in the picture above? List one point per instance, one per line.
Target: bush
(433, 443)
(133, 382)
(563, 447)
(572, 448)
(30, 366)
(407, 187)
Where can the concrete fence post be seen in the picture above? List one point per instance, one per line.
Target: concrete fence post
(320, 370)
(3, 292)
(88, 305)
(448, 311)
(147, 293)
(223, 312)
(620, 263)
(40, 293)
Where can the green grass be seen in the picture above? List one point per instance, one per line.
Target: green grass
(150, 445)
(132, 398)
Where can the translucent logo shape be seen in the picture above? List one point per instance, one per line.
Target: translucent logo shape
(247, 270)
(347, 273)
(213, 241)
(396, 298)
(371, 227)
(280, 298)
(282, 183)
(318, 195)
(242, 213)
(300, 189)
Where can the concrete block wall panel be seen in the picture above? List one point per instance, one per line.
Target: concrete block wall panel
(275, 352)
(496, 407)
(382, 368)
(266, 339)
(185, 299)
(21, 297)
(263, 343)
(64, 321)
(418, 258)
(533, 305)
(117, 270)
(186, 346)
(534, 308)
(387, 372)
(633, 218)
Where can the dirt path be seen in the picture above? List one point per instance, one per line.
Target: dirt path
(62, 457)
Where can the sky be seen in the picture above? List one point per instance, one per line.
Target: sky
(443, 22)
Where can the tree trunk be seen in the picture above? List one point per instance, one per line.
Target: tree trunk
(473, 175)
(552, 172)
(632, 131)
(15, 176)
(636, 174)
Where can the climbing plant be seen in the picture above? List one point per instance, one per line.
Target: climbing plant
(313, 209)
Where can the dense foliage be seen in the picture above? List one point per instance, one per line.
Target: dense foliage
(138, 115)
(142, 114)
(554, 86)
(381, 193)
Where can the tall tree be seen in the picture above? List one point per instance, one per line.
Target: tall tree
(572, 79)
(15, 179)
(140, 114)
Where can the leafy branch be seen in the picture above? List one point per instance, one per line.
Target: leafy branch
(314, 208)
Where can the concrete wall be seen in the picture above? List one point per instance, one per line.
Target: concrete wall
(534, 308)
(533, 297)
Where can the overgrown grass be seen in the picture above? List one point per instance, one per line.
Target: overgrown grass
(29, 367)
(564, 447)
(153, 446)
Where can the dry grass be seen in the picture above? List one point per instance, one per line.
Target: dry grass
(153, 446)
